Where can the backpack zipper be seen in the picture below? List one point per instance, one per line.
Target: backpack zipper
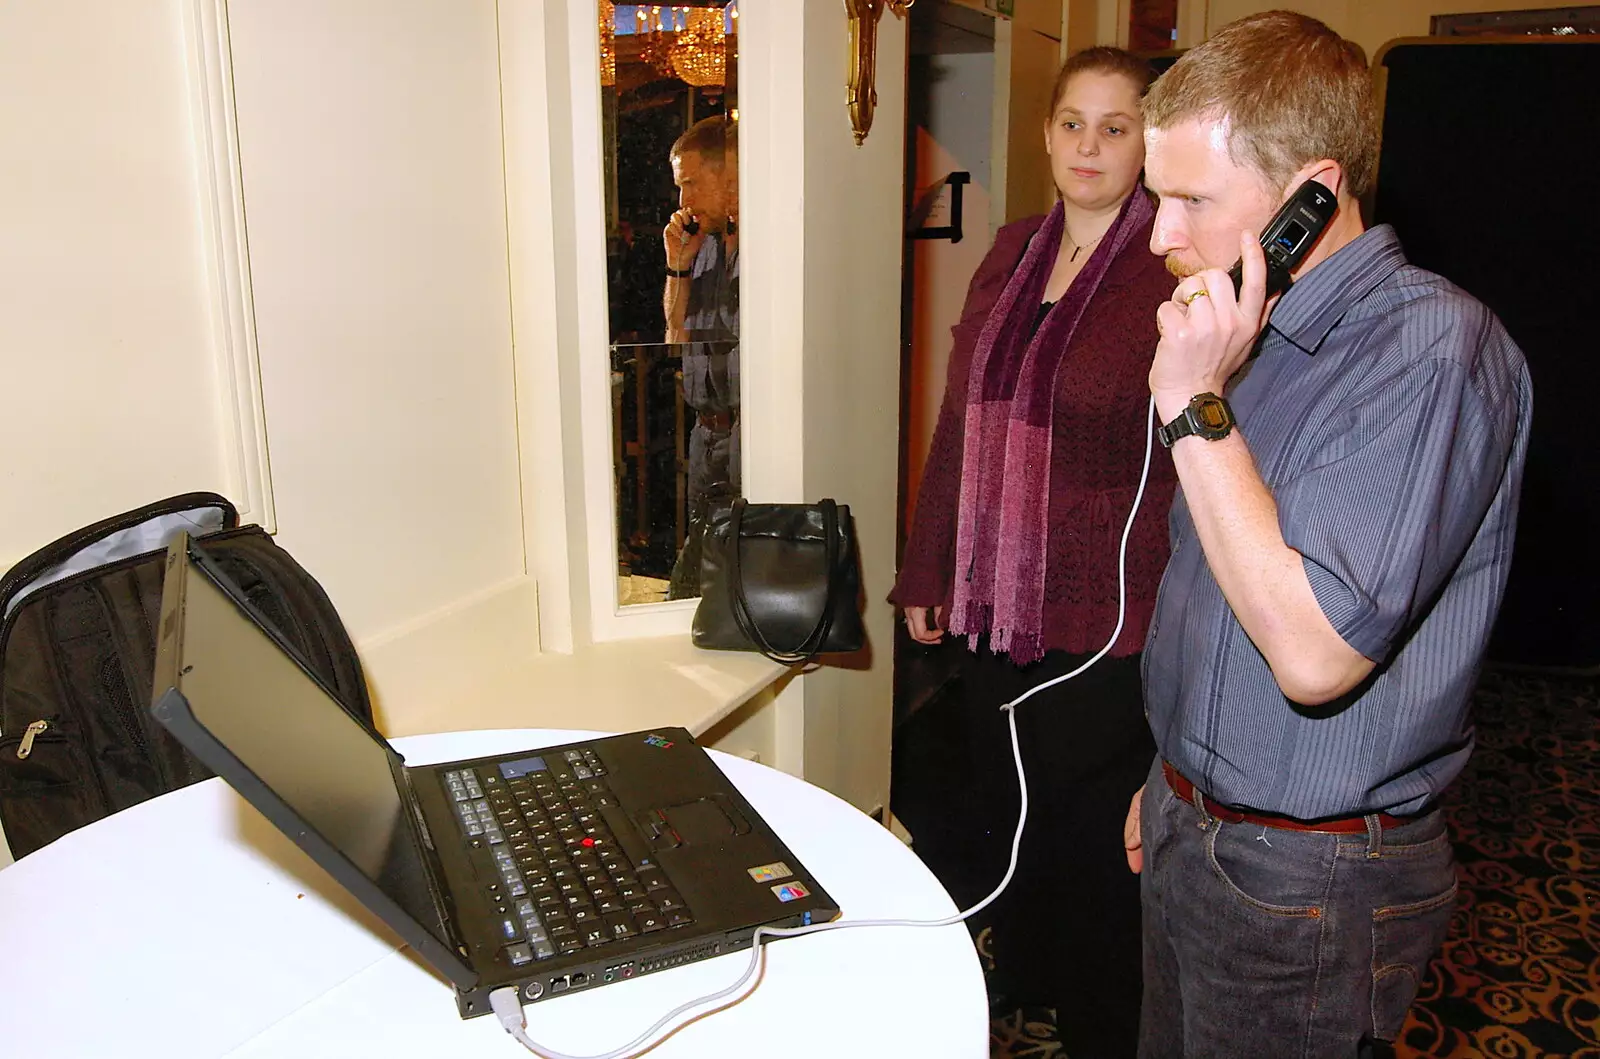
(25, 749)
(120, 706)
(29, 734)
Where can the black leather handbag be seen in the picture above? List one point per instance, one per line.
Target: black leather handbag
(782, 579)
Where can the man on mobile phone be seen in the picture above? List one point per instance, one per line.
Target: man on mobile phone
(701, 306)
(1350, 457)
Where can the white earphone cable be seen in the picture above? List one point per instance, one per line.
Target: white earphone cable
(507, 1004)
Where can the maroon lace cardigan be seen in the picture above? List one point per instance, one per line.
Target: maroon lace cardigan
(1096, 452)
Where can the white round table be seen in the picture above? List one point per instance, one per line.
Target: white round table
(188, 927)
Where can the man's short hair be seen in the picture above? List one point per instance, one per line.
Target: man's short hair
(714, 139)
(1291, 90)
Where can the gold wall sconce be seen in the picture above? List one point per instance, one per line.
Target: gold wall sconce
(864, 15)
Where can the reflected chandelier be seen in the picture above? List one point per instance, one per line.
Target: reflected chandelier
(700, 54)
(608, 42)
(656, 47)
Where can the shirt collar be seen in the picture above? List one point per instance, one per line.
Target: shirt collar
(1315, 303)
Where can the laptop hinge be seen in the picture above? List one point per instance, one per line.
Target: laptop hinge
(430, 861)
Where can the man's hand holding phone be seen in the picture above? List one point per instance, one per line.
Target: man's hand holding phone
(1207, 331)
(682, 239)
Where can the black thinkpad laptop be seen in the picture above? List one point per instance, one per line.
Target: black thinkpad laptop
(551, 869)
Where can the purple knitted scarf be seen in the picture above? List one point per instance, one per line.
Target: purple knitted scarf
(1005, 466)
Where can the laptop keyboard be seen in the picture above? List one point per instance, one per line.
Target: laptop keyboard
(573, 872)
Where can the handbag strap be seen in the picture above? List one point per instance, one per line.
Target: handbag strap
(812, 643)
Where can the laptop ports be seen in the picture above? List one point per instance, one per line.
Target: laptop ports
(558, 985)
(533, 990)
(578, 978)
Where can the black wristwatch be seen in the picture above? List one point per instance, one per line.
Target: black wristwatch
(1208, 416)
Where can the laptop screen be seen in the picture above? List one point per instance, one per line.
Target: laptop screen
(284, 727)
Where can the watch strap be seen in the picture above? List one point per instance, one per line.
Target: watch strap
(1175, 431)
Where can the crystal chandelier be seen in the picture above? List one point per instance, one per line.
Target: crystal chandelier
(700, 54)
(657, 48)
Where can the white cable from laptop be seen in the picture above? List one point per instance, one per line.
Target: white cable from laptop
(507, 1003)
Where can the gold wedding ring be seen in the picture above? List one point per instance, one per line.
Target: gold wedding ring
(1201, 293)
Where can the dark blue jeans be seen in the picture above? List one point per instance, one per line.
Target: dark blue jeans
(1262, 943)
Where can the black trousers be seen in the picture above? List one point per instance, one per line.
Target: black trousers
(1066, 933)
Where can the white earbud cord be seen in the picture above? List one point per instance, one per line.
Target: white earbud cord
(508, 1007)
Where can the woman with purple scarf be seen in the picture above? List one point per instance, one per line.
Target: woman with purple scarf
(1035, 462)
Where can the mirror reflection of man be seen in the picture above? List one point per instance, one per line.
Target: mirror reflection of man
(701, 305)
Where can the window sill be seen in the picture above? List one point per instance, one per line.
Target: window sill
(619, 686)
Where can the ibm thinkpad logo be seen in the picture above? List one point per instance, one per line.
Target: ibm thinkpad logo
(656, 740)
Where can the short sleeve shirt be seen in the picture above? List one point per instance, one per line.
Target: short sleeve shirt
(711, 356)
(1388, 412)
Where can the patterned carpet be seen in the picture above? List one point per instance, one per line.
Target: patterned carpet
(1520, 974)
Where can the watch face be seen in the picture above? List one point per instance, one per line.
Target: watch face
(1213, 415)
(1207, 416)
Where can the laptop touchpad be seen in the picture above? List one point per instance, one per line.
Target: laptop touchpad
(705, 821)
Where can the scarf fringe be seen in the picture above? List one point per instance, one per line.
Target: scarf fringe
(976, 619)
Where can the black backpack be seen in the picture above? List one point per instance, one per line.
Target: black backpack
(78, 645)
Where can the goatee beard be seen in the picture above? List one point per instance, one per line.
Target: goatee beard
(1179, 268)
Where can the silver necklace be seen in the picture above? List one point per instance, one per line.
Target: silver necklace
(1076, 246)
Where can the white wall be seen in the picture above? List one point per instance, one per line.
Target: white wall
(960, 109)
(420, 331)
(385, 307)
(371, 152)
(372, 170)
(370, 143)
(852, 262)
(106, 358)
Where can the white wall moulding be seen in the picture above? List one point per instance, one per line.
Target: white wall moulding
(370, 140)
(587, 263)
(537, 235)
(772, 256)
(227, 264)
(772, 166)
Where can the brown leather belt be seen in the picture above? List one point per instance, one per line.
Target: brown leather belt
(1348, 825)
(717, 420)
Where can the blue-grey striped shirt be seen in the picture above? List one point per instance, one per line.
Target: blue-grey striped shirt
(1388, 412)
